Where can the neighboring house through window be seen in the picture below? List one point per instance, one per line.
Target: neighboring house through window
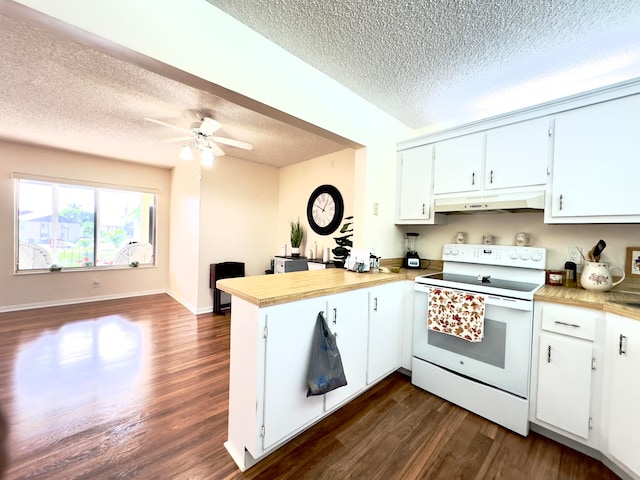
(75, 225)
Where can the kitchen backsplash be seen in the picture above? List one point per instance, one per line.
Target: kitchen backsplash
(555, 238)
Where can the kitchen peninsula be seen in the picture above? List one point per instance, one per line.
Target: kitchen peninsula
(273, 319)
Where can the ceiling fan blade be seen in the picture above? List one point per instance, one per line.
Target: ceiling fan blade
(209, 126)
(217, 151)
(153, 120)
(178, 139)
(233, 143)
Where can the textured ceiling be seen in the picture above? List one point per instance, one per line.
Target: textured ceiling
(60, 93)
(435, 63)
(429, 63)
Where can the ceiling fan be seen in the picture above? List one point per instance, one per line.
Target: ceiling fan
(201, 137)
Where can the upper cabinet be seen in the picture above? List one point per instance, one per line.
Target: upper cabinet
(505, 157)
(458, 164)
(596, 151)
(415, 183)
(517, 155)
(581, 152)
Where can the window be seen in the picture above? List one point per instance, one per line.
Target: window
(83, 226)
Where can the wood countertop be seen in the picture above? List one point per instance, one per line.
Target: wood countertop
(266, 290)
(580, 297)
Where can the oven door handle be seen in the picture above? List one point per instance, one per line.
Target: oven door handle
(490, 300)
(506, 302)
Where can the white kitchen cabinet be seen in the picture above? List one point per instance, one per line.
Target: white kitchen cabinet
(596, 151)
(347, 317)
(567, 373)
(623, 391)
(270, 350)
(564, 383)
(288, 333)
(386, 315)
(507, 157)
(458, 164)
(414, 190)
(517, 155)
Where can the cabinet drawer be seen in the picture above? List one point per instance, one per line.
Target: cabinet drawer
(572, 321)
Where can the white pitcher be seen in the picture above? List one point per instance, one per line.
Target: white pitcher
(597, 276)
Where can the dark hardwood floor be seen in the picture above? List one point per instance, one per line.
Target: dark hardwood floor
(137, 388)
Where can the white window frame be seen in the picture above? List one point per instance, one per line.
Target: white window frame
(98, 187)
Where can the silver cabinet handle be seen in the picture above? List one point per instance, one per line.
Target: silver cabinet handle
(375, 304)
(549, 354)
(335, 316)
(491, 177)
(423, 207)
(566, 324)
(620, 350)
(473, 178)
(560, 202)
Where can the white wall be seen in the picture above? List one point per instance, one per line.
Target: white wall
(185, 233)
(238, 208)
(43, 289)
(297, 182)
(556, 238)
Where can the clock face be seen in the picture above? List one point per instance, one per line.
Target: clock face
(325, 209)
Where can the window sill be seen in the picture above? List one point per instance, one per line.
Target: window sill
(100, 268)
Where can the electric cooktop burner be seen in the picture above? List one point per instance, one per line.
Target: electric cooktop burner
(465, 280)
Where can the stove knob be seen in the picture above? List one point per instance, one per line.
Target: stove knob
(447, 250)
(513, 255)
(455, 251)
(536, 256)
(524, 255)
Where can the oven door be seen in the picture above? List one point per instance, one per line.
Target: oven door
(502, 359)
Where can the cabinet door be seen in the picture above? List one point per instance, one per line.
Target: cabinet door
(289, 332)
(564, 383)
(623, 345)
(596, 150)
(385, 330)
(347, 317)
(458, 164)
(517, 155)
(414, 192)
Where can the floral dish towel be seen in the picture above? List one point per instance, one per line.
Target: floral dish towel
(460, 314)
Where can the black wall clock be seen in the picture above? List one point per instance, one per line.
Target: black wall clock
(325, 209)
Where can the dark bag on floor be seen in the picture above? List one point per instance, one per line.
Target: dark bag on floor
(325, 368)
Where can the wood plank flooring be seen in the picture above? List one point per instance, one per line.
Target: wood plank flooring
(137, 388)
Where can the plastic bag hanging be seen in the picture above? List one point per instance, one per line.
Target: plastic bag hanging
(325, 368)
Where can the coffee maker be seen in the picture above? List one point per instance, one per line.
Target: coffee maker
(411, 259)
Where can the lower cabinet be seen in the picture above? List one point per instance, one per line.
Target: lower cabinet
(347, 317)
(270, 354)
(288, 331)
(385, 330)
(564, 383)
(622, 389)
(567, 371)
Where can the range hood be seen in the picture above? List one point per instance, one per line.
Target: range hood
(507, 202)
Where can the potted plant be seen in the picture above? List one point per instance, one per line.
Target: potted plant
(297, 234)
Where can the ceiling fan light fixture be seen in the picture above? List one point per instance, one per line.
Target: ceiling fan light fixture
(207, 157)
(186, 153)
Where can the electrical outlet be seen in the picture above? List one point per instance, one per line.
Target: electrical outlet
(574, 254)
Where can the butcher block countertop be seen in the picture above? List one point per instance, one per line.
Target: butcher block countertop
(267, 290)
(579, 297)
